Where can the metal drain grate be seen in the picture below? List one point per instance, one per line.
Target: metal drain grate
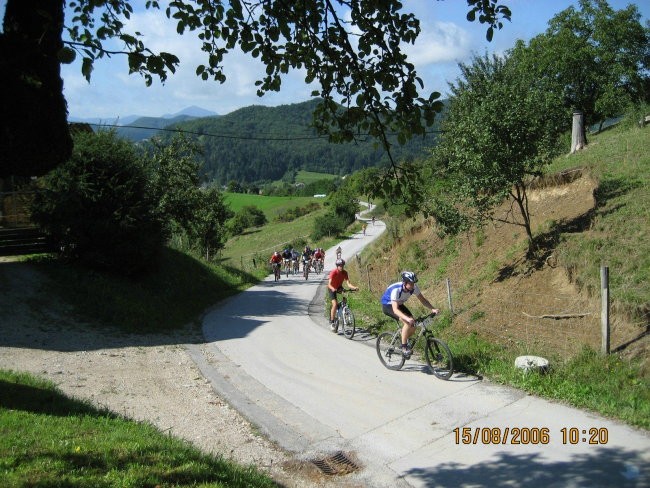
(336, 464)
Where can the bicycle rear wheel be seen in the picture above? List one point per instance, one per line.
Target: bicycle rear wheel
(389, 350)
(439, 358)
(348, 323)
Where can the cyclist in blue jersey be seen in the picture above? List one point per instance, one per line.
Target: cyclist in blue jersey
(392, 304)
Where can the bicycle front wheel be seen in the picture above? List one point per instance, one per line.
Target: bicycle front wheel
(439, 358)
(348, 323)
(389, 350)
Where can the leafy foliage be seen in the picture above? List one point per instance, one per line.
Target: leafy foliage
(199, 214)
(99, 209)
(248, 216)
(343, 207)
(501, 130)
(595, 58)
(207, 229)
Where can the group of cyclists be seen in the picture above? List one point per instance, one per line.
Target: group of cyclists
(392, 300)
(289, 259)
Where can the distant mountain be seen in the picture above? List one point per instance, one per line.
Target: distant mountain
(146, 127)
(143, 121)
(192, 111)
(99, 121)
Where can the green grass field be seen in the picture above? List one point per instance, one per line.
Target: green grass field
(307, 177)
(270, 205)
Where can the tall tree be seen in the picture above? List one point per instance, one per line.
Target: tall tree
(596, 57)
(501, 130)
(367, 84)
(34, 135)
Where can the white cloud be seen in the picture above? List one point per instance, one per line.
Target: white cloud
(440, 42)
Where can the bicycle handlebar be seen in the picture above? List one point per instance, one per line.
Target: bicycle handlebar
(420, 321)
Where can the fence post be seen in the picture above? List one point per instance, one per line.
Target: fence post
(368, 278)
(604, 309)
(451, 307)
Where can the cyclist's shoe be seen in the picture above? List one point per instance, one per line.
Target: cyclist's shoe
(406, 352)
(334, 326)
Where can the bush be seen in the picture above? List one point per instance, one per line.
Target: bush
(248, 216)
(328, 225)
(98, 209)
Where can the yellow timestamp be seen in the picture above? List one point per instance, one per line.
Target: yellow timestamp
(529, 435)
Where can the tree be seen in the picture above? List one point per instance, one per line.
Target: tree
(198, 214)
(98, 207)
(247, 216)
(207, 229)
(34, 135)
(366, 83)
(596, 57)
(502, 128)
(175, 179)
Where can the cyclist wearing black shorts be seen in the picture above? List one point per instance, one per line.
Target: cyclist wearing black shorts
(392, 304)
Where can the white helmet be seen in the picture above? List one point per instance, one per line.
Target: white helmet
(409, 276)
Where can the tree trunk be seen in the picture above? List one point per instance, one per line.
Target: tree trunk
(34, 133)
(578, 133)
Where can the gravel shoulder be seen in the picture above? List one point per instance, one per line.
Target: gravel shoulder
(147, 378)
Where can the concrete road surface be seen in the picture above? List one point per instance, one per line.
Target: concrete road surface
(270, 353)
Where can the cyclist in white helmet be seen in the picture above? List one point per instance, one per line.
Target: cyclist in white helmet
(392, 304)
(335, 281)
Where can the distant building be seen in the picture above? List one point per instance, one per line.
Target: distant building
(320, 195)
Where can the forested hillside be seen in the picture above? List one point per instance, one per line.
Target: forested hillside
(256, 144)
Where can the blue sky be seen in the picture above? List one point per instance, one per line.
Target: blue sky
(447, 38)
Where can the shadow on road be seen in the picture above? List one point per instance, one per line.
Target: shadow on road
(601, 467)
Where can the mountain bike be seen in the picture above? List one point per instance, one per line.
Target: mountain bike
(319, 266)
(287, 266)
(296, 266)
(344, 316)
(276, 271)
(436, 352)
(305, 268)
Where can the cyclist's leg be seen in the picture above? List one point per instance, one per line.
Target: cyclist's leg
(333, 300)
(407, 330)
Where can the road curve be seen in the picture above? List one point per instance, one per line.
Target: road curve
(270, 353)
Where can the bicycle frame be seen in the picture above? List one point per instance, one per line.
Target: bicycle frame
(344, 316)
(436, 352)
(276, 270)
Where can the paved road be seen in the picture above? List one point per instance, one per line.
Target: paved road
(270, 352)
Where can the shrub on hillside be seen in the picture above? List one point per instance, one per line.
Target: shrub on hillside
(98, 208)
(248, 216)
(328, 225)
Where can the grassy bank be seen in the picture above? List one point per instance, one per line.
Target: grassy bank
(48, 439)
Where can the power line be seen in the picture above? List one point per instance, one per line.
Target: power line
(222, 136)
(229, 136)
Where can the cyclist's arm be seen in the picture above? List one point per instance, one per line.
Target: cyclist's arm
(330, 286)
(427, 304)
(351, 286)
